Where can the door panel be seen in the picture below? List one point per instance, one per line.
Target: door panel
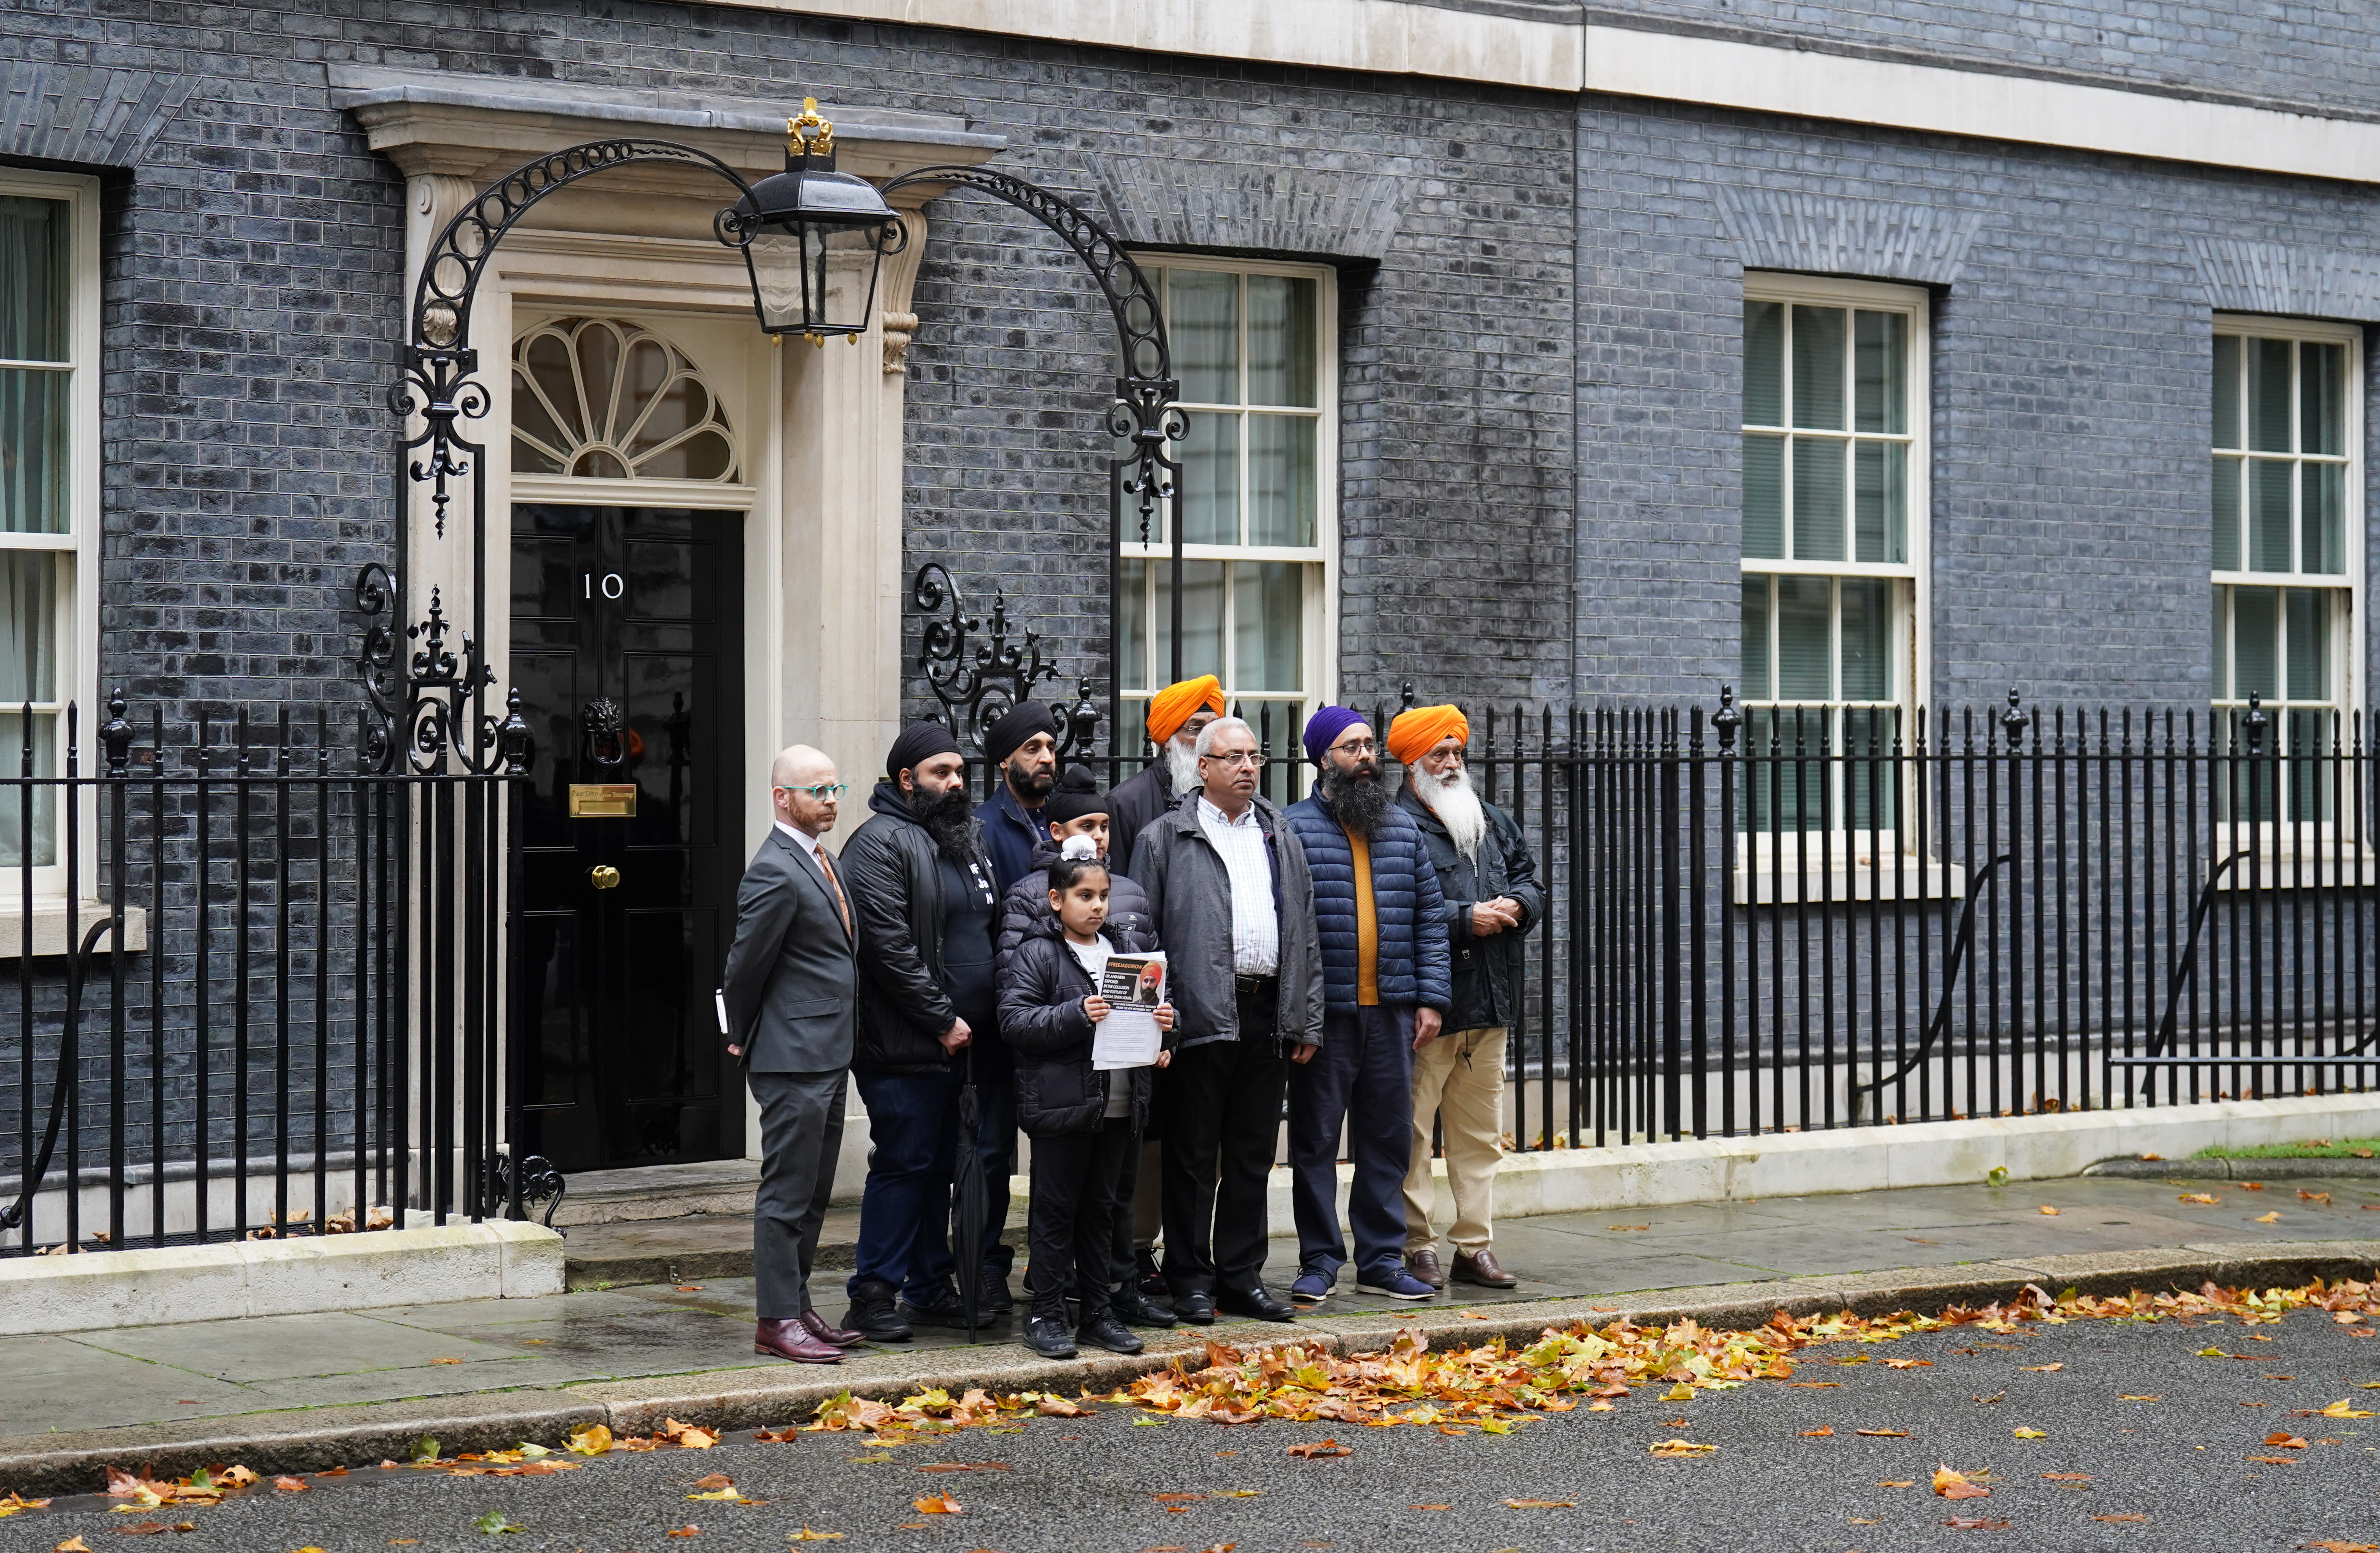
(626, 638)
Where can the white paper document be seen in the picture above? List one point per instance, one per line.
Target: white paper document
(1128, 1038)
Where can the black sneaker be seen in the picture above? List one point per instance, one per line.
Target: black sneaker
(872, 1312)
(1106, 1331)
(1135, 1310)
(1046, 1335)
(993, 1295)
(947, 1312)
(1152, 1282)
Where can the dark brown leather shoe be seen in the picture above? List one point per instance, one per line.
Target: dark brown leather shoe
(1479, 1267)
(1423, 1265)
(791, 1339)
(825, 1331)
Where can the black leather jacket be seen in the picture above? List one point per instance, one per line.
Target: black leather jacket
(891, 870)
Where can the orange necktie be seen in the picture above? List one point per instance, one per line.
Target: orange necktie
(840, 905)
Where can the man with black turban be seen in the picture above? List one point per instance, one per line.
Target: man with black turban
(922, 892)
(1023, 744)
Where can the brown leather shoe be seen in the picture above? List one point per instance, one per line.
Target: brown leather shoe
(1479, 1267)
(791, 1339)
(1423, 1265)
(826, 1331)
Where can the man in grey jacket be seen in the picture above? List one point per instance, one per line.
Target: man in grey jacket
(788, 994)
(1233, 906)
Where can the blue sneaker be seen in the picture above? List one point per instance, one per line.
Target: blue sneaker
(1312, 1288)
(1394, 1283)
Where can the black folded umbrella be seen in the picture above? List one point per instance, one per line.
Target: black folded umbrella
(969, 1198)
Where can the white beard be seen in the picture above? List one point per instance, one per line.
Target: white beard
(1182, 762)
(1456, 806)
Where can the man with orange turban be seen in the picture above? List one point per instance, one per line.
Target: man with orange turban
(1176, 714)
(1489, 883)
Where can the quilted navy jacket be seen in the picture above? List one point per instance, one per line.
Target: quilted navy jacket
(1405, 900)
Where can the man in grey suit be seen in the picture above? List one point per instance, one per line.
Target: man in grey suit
(789, 989)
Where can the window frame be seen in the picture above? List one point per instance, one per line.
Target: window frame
(1909, 581)
(2347, 643)
(76, 619)
(1319, 664)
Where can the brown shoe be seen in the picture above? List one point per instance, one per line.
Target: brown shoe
(1479, 1267)
(791, 1339)
(1423, 1265)
(826, 1331)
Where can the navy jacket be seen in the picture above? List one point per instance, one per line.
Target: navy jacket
(1410, 913)
(1010, 831)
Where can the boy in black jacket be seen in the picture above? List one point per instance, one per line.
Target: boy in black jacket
(1085, 1121)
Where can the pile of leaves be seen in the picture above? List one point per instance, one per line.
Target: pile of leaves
(1489, 1385)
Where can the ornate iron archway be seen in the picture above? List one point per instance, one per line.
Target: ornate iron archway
(429, 701)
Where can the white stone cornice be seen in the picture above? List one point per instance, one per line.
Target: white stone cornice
(1552, 48)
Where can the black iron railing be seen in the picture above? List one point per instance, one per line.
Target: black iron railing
(254, 995)
(1776, 919)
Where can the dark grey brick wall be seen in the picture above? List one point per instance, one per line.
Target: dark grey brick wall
(2321, 55)
(254, 264)
(2070, 371)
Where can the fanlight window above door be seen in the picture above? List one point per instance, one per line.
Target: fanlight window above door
(606, 399)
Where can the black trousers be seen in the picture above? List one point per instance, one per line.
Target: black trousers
(1222, 1124)
(1072, 1220)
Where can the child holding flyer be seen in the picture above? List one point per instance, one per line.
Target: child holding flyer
(1083, 1112)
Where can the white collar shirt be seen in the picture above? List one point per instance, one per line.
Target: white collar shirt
(802, 839)
(1255, 928)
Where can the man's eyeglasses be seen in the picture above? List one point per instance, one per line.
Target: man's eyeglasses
(1357, 747)
(1235, 758)
(821, 791)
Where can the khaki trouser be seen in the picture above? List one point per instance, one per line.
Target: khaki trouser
(1460, 1075)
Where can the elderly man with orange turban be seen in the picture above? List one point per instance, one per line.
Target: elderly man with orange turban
(1176, 715)
(1490, 884)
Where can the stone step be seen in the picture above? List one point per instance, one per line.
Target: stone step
(690, 1249)
(660, 1191)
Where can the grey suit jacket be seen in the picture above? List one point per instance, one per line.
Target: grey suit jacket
(792, 983)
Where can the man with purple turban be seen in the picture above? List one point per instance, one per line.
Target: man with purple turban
(1385, 986)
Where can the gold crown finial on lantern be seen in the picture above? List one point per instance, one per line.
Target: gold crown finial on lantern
(811, 133)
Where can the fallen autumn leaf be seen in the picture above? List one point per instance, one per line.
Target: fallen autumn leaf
(1953, 1485)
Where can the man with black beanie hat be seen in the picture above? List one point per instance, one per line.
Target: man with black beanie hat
(924, 899)
(1024, 745)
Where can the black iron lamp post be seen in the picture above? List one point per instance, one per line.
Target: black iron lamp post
(813, 239)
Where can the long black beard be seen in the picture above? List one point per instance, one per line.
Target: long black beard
(947, 818)
(1358, 799)
(1029, 785)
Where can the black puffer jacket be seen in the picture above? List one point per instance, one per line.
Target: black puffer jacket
(1041, 990)
(1027, 902)
(1488, 972)
(892, 871)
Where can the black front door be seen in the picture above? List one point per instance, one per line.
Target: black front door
(625, 645)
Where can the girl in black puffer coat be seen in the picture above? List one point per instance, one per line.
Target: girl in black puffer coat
(1085, 1122)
